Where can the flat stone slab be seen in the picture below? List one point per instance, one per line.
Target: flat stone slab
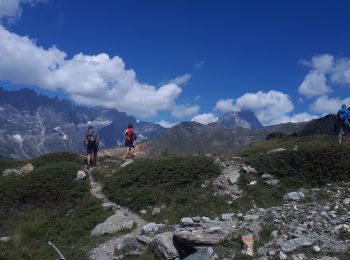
(113, 224)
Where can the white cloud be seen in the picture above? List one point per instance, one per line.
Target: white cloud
(166, 124)
(11, 10)
(97, 80)
(267, 106)
(182, 111)
(326, 105)
(205, 118)
(314, 84)
(225, 105)
(341, 71)
(296, 118)
(181, 80)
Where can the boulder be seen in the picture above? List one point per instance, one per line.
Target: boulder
(282, 256)
(81, 175)
(277, 150)
(293, 244)
(186, 221)
(227, 216)
(113, 224)
(28, 168)
(130, 246)
(251, 217)
(203, 253)
(144, 239)
(152, 228)
(233, 177)
(205, 236)
(295, 195)
(205, 219)
(8, 172)
(165, 244)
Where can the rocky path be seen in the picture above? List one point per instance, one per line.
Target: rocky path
(105, 251)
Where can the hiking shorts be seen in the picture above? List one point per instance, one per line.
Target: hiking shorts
(344, 128)
(91, 149)
(129, 144)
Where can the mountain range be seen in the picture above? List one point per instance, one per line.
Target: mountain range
(33, 124)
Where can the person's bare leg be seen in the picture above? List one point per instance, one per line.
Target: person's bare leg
(88, 159)
(95, 159)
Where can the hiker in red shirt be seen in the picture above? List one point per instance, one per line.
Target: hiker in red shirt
(130, 137)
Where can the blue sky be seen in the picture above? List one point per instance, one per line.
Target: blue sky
(182, 60)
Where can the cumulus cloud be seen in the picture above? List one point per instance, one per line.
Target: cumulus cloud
(268, 106)
(166, 124)
(225, 105)
(205, 118)
(11, 10)
(182, 111)
(181, 80)
(325, 69)
(326, 105)
(97, 80)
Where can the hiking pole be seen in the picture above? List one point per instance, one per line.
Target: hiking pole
(56, 249)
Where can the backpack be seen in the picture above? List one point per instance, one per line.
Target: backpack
(130, 134)
(91, 138)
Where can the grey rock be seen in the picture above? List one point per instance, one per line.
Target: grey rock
(205, 219)
(272, 182)
(346, 201)
(251, 217)
(203, 253)
(197, 219)
(227, 216)
(186, 221)
(316, 249)
(327, 258)
(204, 237)
(81, 175)
(152, 228)
(8, 172)
(278, 150)
(298, 257)
(249, 169)
(113, 224)
(127, 162)
(233, 177)
(130, 246)
(143, 211)
(165, 244)
(110, 205)
(155, 211)
(28, 168)
(5, 239)
(267, 176)
(144, 239)
(293, 244)
(295, 195)
(282, 256)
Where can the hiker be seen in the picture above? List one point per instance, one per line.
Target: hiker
(343, 120)
(130, 137)
(91, 143)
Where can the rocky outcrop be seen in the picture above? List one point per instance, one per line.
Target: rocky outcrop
(165, 244)
(203, 253)
(8, 172)
(28, 168)
(113, 224)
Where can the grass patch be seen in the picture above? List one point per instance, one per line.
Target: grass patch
(48, 204)
(171, 181)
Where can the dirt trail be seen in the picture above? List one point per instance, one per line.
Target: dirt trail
(105, 251)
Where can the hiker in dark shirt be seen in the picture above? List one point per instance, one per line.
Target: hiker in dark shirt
(130, 137)
(91, 143)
